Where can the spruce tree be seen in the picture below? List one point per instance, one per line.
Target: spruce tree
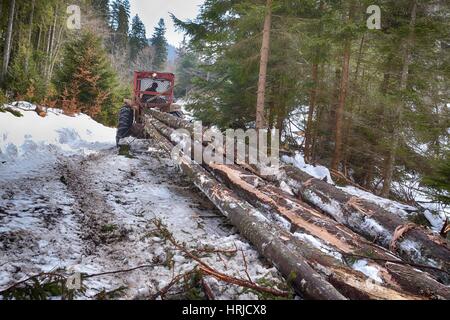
(120, 21)
(138, 38)
(85, 81)
(159, 43)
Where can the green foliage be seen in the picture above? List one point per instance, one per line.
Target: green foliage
(187, 68)
(14, 112)
(159, 43)
(138, 38)
(24, 78)
(44, 286)
(439, 180)
(3, 98)
(85, 81)
(307, 34)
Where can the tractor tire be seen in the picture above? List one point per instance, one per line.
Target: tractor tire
(125, 123)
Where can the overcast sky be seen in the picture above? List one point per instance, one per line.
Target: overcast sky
(150, 11)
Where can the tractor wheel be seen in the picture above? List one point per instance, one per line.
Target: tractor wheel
(125, 122)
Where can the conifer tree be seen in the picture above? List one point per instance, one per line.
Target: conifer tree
(159, 43)
(85, 81)
(138, 38)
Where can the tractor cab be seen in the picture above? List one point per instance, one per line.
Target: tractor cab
(150, 90)
(153, 90)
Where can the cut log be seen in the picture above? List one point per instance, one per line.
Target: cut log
(363, 217)
(371, 221)
(337, 239)
(353, 283)
(270, 241)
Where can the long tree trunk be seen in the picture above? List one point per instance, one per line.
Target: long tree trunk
(310, 124)
(390, 161)
(261, 95)
(51, 48)
(270, 241)
(338, 134)
(7, 48)
(30, 32)
(312, 106)
(306, 220)
(386, 228)
(349, 119)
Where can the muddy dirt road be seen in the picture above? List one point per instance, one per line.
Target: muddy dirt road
(96, 214)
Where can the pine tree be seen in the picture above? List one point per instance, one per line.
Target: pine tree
(439, 180)
(138, 38)
(85, 81)
(159, 43)
(120, 23)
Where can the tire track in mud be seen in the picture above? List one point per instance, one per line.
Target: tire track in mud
(126, 193)
(93, 211)
(102, 222)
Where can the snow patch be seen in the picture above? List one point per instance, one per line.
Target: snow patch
(436, 220)
(30, 142)
(319, 172)
(397, 208)
(285, 187)
(370, 271)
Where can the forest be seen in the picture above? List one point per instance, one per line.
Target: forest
(370, 103)
(358, 89)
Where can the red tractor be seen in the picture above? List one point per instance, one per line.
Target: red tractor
(151, 90)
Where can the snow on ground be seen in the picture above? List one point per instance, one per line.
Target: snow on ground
(187, 115)
(390, 205)
(433, 212)
(319, 172)
(370, 271)
(68, 200)
(30, 141)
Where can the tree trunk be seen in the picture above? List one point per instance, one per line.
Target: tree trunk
(390, 161)
(312, 106)
(371, 221)
(7, 48)
(338, 134)
(338, 239)
(51, 48)
(30, 32)
(270, 241)
(337, 154)
(261, 95)
(38, 46)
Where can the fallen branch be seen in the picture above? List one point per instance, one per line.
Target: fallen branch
(213, 272)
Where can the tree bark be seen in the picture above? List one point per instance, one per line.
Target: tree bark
(7, 48)
(371, 221)
(311, 109)
(337, 154)
(315, 224)
(261, 95)
(271, 242)
(390, 161)
(30, 32)
(51, 47)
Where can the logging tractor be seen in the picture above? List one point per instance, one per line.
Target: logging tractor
(151, 90)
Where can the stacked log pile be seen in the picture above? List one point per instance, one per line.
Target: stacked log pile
(320, 251)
